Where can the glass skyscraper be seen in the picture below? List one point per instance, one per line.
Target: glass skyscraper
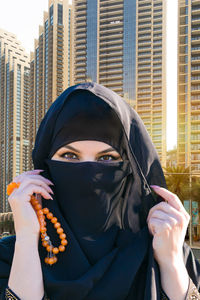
(189, 85)
(14, 112)
(51, 62)
(121, 45)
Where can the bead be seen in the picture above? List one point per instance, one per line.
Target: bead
(60, 230)
(41, 218)
(49, 248)
(54, 220)
(44, 243)
(55, 259)
(64, 242)
(49, 216)
(57, 225)
(51, 261)
(43, 235)
(55, 250)
(12, 186)
(34, 201)
(40, 213)
(45, 210)
(62, 236)
(61, 248)
(42, 223)
(43, 229)
(38, 207)
(46, 260)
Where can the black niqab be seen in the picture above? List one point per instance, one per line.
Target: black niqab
(102, 206)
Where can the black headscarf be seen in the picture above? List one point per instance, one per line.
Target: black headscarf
(102, 206)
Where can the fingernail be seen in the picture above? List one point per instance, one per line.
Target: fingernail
(50, 182)
(51, 198)
(37, 170)
(155, 186)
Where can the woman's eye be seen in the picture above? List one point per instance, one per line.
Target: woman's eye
(69, 155)
(107, 158)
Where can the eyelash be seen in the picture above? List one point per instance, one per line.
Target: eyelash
(106, 155)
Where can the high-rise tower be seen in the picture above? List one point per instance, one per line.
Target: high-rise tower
(51, 62)
(14, 112)
(121, 45)
(188, 144)
(151, 70)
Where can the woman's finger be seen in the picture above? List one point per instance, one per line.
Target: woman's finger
(34, 176)
(159, 214)
(18, 197)
(35, 181)
(18, 177)
(169, 210)
(168, 196)
(157, 226)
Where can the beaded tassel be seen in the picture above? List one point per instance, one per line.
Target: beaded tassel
(41, 214)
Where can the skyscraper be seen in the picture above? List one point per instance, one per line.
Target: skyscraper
(189, 84)
(14, 111)
(121, 44)
(151, 70)
(51, 62)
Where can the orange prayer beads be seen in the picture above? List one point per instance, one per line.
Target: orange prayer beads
(46, 242)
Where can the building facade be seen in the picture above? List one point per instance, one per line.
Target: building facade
(151, 70)
(189, 85)
(188, 135)
(14, 112)
(51, 63)
(121, 45)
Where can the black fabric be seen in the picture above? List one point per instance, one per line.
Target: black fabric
(102, 206)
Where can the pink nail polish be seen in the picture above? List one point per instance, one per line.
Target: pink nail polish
(155, 186)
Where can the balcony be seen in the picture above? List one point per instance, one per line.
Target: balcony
(195, 68)
(146, 84)
(112, 58)
(110, 65)
(109, 76)
(143, 78)
(117, 89)
(80, 15)
(144, 17)
(117, 36)
(195, 40)
(114, 54)
(107, 13)
(195, 19)
(82, 46)
(111, 84)
(196, 29)
(196, 9)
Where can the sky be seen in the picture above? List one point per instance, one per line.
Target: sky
(23, 17)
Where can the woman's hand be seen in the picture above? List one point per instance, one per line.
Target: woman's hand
(25, 218)
(168, 222)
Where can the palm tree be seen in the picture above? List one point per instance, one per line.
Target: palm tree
(177, 179)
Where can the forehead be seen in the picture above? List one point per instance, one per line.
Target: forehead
(89, 146)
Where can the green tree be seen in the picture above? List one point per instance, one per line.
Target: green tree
(177, 179)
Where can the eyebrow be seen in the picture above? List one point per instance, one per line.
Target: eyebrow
(104, 151)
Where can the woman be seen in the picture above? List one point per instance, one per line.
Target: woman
(124, 241)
